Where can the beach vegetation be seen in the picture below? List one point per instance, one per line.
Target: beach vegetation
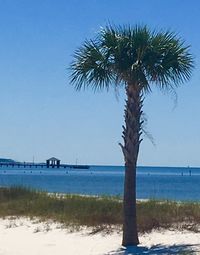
(97, 213)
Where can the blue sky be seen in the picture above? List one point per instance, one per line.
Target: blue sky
(43, 116)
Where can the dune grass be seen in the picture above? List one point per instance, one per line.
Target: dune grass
(97, 212)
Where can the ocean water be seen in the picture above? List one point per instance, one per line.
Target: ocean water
(182, 184)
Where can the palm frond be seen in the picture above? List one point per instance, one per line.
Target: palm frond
(167, 61)
(90, 67)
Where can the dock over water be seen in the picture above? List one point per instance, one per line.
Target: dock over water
(41, 165)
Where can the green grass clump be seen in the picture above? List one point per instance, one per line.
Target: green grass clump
(67, 209)
(168, 214)
(98, 212)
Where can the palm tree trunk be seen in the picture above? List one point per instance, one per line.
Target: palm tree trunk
(131, 136)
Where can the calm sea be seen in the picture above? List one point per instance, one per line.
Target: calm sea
(152, 182)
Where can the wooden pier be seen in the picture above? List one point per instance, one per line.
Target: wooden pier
(50, 163)
(41, 165)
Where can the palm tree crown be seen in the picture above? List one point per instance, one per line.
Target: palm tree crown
(124, 55)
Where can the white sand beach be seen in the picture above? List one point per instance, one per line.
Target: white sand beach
(24, 237)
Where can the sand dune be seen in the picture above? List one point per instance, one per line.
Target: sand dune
(24, 237)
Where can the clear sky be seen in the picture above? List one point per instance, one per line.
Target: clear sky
(41, 115)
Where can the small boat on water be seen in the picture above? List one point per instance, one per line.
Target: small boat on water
(80, 166)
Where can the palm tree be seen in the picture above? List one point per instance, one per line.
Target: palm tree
(137, 59)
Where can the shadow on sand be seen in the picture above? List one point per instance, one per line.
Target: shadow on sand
(156, 250)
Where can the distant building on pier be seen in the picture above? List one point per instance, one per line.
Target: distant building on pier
(53, 162)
